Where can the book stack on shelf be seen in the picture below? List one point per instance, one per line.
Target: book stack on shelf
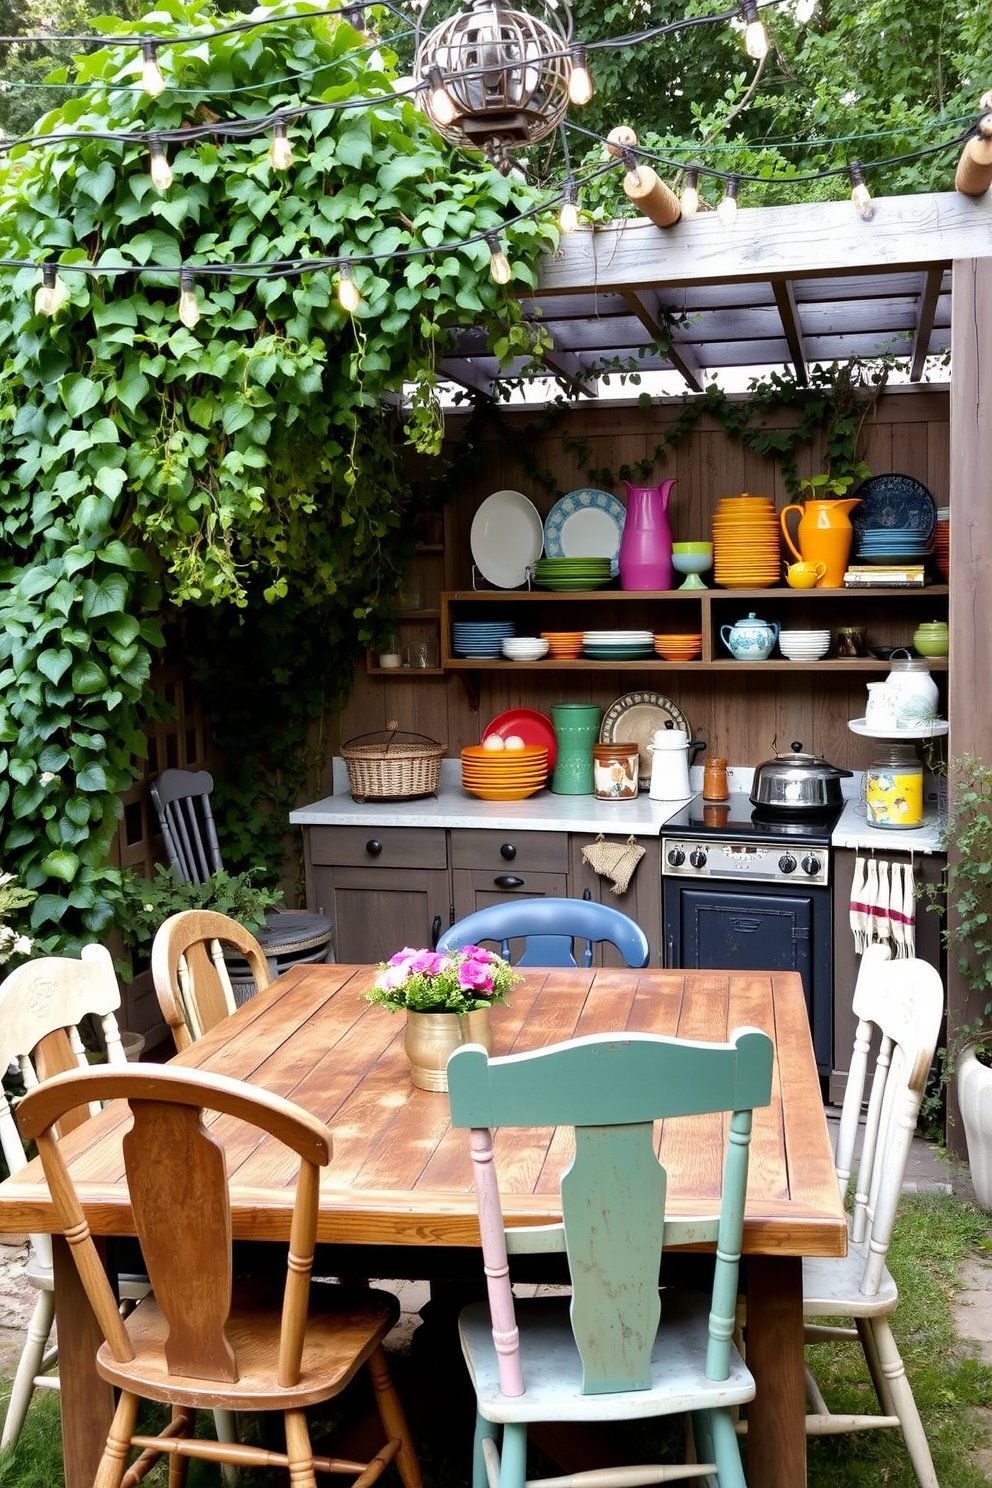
(885, 576)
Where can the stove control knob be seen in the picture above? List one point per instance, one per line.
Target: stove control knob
(787, 863)
(697, 858)
(811, 865)
(676, 857)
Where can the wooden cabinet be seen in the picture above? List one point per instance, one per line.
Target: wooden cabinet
(642, 900)
(384, 887)
(488, 867)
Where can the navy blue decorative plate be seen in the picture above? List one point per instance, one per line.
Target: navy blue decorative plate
(894, 501)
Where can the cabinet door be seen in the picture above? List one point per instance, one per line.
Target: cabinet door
(378, 911)
(475, 888)
(641, 902)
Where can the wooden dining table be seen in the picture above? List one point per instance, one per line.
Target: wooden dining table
(400, 1176)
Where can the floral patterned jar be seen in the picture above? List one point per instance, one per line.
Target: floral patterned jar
(614, 769)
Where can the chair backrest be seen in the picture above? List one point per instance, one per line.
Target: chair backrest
(177, 1181)
(902, 1003)
(550, 928)
(191, 978)
(42, 1004)
(182, 803)
(611, 1088)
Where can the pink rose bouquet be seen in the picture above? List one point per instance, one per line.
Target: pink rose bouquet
(426, 982)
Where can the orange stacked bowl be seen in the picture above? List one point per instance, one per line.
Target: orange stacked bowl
(942, 543)
(679, 647)
(498, 771)
(564, 644)
(746, 543)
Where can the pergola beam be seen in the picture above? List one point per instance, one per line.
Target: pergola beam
(926, 311)
(785, 299)
(681, 359)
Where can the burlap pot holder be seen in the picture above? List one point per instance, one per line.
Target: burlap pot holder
(614, 860)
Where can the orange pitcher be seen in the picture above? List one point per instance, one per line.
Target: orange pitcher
(824, 534)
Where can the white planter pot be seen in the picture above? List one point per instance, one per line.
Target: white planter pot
(975, 1100)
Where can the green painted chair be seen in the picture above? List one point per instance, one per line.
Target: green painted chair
(617, 1349)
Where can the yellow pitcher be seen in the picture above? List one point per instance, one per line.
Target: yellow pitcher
(824, 534)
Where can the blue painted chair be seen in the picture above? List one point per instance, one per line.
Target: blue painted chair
(617, 1349)
(550, 928)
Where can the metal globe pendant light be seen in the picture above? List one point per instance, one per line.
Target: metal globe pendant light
(495, 78)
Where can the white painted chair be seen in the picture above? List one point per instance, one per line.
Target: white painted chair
(903, 1001)
(42, 1004)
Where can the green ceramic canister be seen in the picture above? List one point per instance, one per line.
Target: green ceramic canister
(576, 730)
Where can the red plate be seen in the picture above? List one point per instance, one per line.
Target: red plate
(529, 725)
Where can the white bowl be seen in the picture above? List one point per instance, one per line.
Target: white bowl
(520, 651)
(804, 635)
(796, 654)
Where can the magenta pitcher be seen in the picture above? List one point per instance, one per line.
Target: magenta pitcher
(645, 556)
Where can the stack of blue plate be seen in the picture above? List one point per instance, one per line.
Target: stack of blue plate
(893, 545)
(481, 638)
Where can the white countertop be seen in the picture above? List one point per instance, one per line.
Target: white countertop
(545, 812)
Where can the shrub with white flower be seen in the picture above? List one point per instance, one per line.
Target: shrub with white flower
(13, 897)
(427, 982)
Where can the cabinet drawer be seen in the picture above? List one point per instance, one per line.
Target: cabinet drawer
(516, 852)
(379, 847)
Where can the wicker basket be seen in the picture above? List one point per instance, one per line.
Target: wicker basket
(392, 765)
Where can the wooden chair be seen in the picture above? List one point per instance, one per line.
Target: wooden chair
(203, 1339)
(42, 1004)
(191, 977)
(550, 928)
(902, 1002)
(615, 1350)
(182, 803)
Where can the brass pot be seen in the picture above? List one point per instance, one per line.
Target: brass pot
(431, 1039)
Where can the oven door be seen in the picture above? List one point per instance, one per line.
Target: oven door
(714, 926)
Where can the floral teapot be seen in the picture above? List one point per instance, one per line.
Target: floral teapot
(750, 639)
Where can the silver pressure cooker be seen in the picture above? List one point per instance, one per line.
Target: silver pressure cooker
(798, 783)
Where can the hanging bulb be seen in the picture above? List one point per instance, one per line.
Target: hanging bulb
(439, 102)
(860, 195)
(755, 40)
(499, 264)
(690, 192)
(52, 292)
(280, 151)
(568, 217)
(727, 210)
(151, 74)
(355, 16)
(579, 81)
(160, 171)
(805, 10)
(189, 305)
(348, 297)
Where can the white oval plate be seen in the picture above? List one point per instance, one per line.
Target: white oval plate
(507, 537)
(934, 730)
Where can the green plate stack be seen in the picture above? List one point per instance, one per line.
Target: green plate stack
(565, 574)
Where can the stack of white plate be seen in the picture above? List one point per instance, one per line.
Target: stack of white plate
(618, 645)
(525, 648)
(804, 645)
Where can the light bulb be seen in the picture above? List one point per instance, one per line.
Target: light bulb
(161, 173)
(499, 264)
(348, 297)
(579, 81)
(439, 101)
(189, 305)
(727, 210)
(355, 16)
(805, 10)
(860, 195)
(755, 40)
(52, 292)
(280, 151)
(568, 217)
(151, 74)
(690, 193)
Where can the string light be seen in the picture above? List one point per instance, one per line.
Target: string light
(348, 297)
(161, 173)
(355, 16)
(805, 10)
(151, 74)
(727, 210)
(499, 264)
(860, 195)
(189, 305)
(280, 151)
(579, 82)
(52, 292)
(690, 192)
(440, 104)
(755, 40)
(568, 217)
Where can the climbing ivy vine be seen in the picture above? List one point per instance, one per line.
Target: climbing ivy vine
(245, 466)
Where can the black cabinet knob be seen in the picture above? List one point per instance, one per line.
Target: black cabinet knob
(435, 931)
(508, 851)
(373, 847)
(508, 881)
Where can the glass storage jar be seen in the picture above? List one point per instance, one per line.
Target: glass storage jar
(915, 690)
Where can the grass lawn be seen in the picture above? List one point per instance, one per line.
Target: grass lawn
(933, 1235)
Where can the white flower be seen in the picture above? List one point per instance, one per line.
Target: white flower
(22, 946)
(46, 777)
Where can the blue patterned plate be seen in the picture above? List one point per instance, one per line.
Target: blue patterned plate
(889, 501)
(585, 524)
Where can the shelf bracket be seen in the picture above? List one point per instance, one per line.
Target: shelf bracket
(470, 682)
